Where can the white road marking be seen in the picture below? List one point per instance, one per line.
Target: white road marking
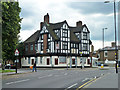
(57, 75)
(45, 76)
(85, 79)
(18, 81)
(72, 85)
(65, 74)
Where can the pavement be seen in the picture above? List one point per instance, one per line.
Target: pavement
(110, 80)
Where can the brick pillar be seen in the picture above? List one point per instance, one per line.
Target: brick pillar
(44, 43)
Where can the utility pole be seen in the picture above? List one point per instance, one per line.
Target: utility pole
(103, 44)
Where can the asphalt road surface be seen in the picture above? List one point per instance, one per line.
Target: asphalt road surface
(57, 78)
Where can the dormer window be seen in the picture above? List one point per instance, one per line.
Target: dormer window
(57, 32)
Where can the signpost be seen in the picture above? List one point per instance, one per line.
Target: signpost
(16, 54)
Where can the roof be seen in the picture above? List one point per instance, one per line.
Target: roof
(73, 37)
(52, 26)
(109, 48)
(33, 37)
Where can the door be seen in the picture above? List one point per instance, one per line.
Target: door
(73, 61)
(56, 61)
(32, 61)
(48, 61)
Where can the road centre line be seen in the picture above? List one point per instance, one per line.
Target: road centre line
(85, 84)
(72, 85)
(95, 80)
(18, 81)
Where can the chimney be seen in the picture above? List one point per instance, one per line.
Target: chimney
(92, 48)
(46, 18)
(41, 24)
(113, 44)
(79, 23)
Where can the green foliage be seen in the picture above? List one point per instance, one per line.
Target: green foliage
(10, 28)
(20, 48)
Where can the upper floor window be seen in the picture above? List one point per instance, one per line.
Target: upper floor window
(31, 47)
(41, 46)
(42, 37)
(64, 33)
(26, 48)
(65, 45)
(84, 47)
(48, 36)
(84, 35)
(35, 46)
(105, 53)
(49, 45)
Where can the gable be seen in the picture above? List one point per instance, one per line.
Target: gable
(65, 26)
(85, 29)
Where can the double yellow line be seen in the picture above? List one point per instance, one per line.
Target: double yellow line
(85, 84)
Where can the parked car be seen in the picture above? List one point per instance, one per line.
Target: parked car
(10, 66)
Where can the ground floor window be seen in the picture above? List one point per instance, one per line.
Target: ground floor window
(41, 59)
(28, 60)
(36, 59)
(62, 60)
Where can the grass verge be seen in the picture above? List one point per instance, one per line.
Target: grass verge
(5, 71)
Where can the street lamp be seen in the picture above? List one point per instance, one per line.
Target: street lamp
(115, 35)
(103, 43)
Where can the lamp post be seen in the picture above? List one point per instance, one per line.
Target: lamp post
(103, 43)
(115, 35)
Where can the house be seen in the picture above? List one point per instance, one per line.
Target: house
(58, 45)
(107, 54)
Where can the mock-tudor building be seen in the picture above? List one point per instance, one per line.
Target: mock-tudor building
(58, 45)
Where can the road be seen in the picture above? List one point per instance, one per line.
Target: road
(57, 78)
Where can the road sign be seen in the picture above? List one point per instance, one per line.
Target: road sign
(16, 52)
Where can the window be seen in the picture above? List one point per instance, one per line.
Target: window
(42, 37)
(84, 47)
(41, 46)
(65, 45)
(31, 47)
(35, 46)
(49, 45)
(28, 60)
(48, 36)
(41, 59)
(84, 35)
(36, 59)
(64, 33)
(76, 46)
(62, 60)
(105, 53)
(26, 48)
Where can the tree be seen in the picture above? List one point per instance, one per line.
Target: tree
(10, 29)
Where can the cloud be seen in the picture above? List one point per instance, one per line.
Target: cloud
(92, 7)
(96, 15)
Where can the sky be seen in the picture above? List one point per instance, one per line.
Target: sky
(95, 14)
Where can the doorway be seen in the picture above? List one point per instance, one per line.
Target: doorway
(32, 61)
(48, 61)
(56, 61)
